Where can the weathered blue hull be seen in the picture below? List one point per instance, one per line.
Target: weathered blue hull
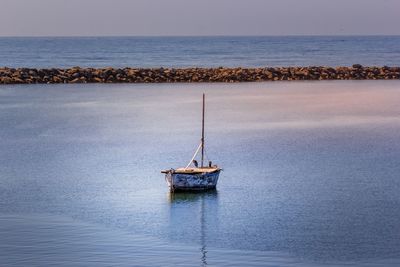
(192, 182)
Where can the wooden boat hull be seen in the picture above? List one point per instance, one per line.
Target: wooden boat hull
(192, 181)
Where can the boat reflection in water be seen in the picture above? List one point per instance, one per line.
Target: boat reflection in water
(197, 201)
(185, 197)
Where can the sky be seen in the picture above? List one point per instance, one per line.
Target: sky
(198, 17)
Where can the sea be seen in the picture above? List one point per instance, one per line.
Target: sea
(272, 51)
(310, 168)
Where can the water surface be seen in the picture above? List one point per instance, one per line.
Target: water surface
(261, 51)
(310, 174)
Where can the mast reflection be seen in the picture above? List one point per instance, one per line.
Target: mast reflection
(191, 200)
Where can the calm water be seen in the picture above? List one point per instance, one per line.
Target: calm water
(311, 175)
(199, 51)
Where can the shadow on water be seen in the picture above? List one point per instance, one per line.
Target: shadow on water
(190, 201)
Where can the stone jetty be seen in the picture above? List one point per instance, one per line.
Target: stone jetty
(172, 75)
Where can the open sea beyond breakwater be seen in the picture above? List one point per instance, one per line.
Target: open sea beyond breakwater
(182, 52)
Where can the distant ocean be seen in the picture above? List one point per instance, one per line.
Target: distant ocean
(199, 51)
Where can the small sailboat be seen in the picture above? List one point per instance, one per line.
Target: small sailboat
(194, 178)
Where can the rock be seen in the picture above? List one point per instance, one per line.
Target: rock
(76, 75)
(77, 80)
(157, 75)
(6, 80)
(57, 79)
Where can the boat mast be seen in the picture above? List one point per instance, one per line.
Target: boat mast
(202, 134)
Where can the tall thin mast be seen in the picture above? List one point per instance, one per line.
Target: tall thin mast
(202, 134)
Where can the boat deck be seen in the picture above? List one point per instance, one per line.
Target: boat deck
(194, 170)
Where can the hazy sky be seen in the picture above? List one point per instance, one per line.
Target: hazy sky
(198, 17)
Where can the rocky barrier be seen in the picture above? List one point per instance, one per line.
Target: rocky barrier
(171, 75)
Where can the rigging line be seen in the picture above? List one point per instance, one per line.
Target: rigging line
(195, 154)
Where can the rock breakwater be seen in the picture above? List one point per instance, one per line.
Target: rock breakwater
(171, 75)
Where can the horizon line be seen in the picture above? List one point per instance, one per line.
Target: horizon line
(182, 36)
